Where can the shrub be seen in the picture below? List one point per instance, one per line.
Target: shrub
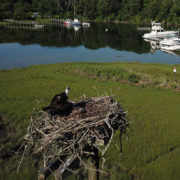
(174, 86)
(134, 78)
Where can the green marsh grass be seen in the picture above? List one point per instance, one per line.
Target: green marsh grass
(147, 74)
(152, 151)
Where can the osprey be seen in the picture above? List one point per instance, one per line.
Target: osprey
(59, 104)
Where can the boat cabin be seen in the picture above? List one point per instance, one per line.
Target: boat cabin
(156, 27)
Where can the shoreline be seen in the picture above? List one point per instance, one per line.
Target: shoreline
(49, 20)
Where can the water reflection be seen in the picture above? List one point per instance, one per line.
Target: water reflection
(59, 43)
(155, 45)
(76, 28)
(119, 37)
(176, 53)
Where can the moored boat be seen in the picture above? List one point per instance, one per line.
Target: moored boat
(170, 40)
(75, 22)
(158, 32)
(85, 24)
(170, 43)
(67, 22)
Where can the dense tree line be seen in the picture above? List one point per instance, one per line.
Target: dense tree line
(122, 10)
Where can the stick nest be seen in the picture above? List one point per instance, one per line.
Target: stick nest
(91, 123)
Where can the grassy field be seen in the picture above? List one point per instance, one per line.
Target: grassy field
(147, 91)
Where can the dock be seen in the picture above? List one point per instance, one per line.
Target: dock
(144, 28)
(23, 24)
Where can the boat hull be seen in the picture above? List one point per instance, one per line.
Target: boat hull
(72, 23)
(159, 35)
(171, 48)
(86, 24)
(67, 22)
(75, 24)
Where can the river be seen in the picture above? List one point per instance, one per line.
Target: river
(101, 42)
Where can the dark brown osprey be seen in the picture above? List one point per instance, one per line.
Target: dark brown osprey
(59, 104)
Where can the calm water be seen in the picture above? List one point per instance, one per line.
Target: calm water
(21, 48)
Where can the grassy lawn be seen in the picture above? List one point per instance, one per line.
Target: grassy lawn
(152, 151)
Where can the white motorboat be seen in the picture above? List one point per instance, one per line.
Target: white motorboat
(157, 32)
(85, 24)
(170, 40)
(170, 43)
(170, 47)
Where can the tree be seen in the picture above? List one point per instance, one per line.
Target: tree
(125, 10)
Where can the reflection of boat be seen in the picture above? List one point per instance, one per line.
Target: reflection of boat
(76, 28)
(170, 43)
(157, 32)
(171, 47)
(76, 22)
(154, 46)
(67, 26)
(171, 52)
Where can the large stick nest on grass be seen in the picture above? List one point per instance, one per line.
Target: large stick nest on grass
(91, 123)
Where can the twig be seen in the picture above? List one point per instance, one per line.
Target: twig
(21, 159)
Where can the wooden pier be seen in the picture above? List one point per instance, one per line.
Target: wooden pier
(144, 28)
(23, 24)
(56, 21)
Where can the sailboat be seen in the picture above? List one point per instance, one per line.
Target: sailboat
(75, 22)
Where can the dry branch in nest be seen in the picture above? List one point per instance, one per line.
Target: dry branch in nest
(88, 128)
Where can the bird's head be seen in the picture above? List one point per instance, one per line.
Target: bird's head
(67, 90)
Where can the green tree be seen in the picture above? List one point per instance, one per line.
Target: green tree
(102, 8)
(125, 10)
